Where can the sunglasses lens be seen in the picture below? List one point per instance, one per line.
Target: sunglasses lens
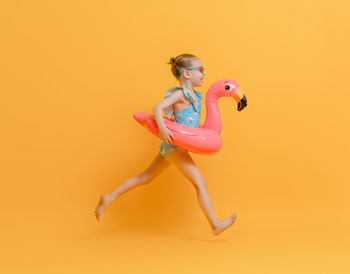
(201, 69)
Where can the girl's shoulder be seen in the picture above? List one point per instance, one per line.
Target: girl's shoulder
(172, 90)
(186, 94)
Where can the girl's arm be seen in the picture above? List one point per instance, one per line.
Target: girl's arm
(175, 97)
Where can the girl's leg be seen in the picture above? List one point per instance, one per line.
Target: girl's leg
(157, 166)
(183, 161)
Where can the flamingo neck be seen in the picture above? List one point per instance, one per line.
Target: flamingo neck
(213, 118)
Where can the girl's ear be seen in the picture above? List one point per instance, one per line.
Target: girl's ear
(187, 74)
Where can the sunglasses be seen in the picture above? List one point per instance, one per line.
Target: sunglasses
(201, 69)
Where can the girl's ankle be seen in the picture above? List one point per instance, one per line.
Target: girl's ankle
(215, 225)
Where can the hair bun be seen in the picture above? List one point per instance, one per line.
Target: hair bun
(172, 60)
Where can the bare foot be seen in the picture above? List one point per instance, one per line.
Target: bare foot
(105, 201)
(225, 223)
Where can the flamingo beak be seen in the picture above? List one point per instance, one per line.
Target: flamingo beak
(239, 96)
(242, 103)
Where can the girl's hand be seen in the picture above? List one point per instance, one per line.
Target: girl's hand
(166, 135)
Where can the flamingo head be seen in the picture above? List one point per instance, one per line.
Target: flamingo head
(229, 88)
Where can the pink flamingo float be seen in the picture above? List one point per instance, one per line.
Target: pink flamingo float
(205, 139)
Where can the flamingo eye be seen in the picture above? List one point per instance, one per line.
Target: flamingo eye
(227, 87)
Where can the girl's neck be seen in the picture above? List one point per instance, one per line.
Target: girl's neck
(187, 87)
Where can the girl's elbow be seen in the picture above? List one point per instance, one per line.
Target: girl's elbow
(157, 107)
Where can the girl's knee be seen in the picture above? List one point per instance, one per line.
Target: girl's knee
(200, 184)
(144, 178)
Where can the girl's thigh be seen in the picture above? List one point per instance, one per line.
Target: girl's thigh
(157, 166)
(184, 162)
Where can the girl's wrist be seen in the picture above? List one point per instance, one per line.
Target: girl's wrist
(162, 127)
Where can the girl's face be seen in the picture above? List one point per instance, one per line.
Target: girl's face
(196, 75)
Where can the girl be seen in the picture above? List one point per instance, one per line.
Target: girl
(185, 103)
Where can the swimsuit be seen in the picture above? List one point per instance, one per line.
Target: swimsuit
(190, 116)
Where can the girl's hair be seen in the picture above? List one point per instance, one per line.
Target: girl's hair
(180, 62)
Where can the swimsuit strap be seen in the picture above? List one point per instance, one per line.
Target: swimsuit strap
(193, 101)
(169, 110)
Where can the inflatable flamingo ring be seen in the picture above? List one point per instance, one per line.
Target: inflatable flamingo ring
(204, 139)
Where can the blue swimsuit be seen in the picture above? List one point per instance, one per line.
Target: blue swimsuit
(190, 116)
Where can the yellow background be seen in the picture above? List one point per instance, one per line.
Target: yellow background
(73, 73)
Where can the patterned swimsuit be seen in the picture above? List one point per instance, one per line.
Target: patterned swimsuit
(190, 116)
